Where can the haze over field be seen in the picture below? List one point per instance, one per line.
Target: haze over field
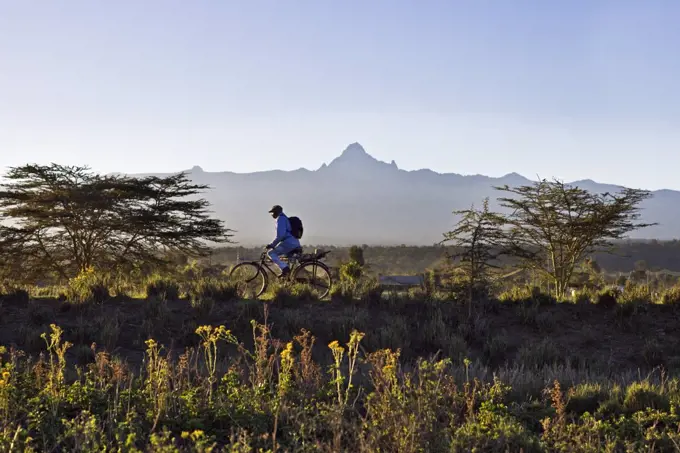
(356, 198)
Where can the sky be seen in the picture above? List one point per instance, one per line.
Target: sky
(578, 89)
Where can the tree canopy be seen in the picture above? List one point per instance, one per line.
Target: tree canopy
(65, 219)
(552, 227)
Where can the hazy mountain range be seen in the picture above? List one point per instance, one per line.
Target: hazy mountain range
(357, 199)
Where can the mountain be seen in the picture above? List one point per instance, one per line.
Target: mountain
(357, 199)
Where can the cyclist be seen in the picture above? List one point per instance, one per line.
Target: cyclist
(284, 242)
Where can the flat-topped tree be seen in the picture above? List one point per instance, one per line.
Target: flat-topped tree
(63, 219)
(552, 227)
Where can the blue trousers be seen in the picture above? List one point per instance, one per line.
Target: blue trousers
(283, 248)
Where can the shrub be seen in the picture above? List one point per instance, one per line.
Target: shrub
(494, 430)
(162, 288)
(351, 272)
(607, 298)
(610, 408)
(417, 294)
(635, 294)
(671, 296)
(211, 288)
(586, 397)
(282, 296)
(303, 292)
(370, 292)
(88, 286)
(582, 297)
(14, 295)
(643, 395)
(342, 292)
(515, 294)
(527, 294)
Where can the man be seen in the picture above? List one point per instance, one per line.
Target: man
(284, 243)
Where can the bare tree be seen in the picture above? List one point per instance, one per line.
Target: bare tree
(477, 240)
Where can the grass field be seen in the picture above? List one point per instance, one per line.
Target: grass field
(404, 373)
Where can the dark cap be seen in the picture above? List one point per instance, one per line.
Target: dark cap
(276, 208)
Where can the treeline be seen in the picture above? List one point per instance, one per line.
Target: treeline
(652, 255)
(57, 222)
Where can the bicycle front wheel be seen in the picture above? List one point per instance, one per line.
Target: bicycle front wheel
(250, 280)
(316, 275)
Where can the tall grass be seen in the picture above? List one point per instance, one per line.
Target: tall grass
(403, 373)
(275, 397)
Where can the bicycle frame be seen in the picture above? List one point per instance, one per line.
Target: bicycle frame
(265, 261)
(296, 262)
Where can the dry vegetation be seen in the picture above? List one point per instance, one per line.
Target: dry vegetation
(178, 364)
(112, 340)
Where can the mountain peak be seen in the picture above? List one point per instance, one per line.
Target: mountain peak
(355, 150)
(355, 160)
(354, 157)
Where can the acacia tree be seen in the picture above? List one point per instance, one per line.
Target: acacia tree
(552, 226)
(64, 219)
(478, 240)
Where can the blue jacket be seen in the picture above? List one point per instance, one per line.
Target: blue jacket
(283, 233)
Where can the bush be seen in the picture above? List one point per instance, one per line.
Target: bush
(351, 272)
(88, 286)
(491, 431)
(303, 292)
(162, 288)
(643, 395)
(211, 288)
(607, 298)
(635, 294)
(671, 296)
(527, 294)
(516, 294)
(14, 295)
(370, 292)
(586, 397)
(342, 292)
(582, 297)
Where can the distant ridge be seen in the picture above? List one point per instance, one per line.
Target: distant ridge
(358, 199)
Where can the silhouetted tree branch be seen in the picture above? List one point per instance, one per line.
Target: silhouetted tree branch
(552, 226)
(65, 219)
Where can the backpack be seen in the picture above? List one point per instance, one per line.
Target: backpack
(295, 227)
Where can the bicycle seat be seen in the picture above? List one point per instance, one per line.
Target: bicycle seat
(296, 251)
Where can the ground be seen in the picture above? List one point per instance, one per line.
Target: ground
(623, 339)
(528, 374)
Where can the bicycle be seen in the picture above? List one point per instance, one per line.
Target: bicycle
(298, 262)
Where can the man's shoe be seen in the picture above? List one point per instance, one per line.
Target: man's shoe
(284, 272)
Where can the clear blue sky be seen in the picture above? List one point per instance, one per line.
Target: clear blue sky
(573, 89)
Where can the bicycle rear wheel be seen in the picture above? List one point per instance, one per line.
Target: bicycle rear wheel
(250, 280)
(316, 275)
